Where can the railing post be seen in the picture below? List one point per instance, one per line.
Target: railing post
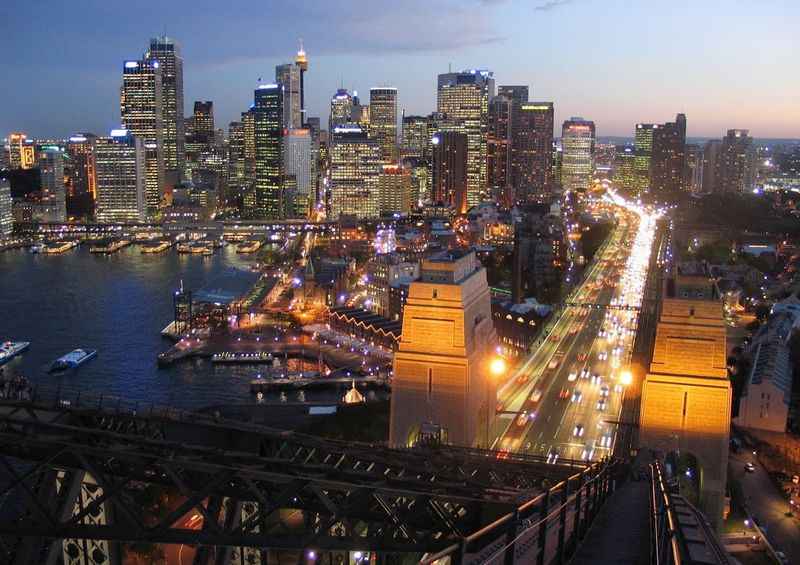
(541, 539)
(577, 530)
(562, 523)
(511, 534)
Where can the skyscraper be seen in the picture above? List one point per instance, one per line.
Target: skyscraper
(735, 166)
(203, 119)
(80, 149)
(669, 157)
(237, 182)
(141, 110)
(297, 162)
(341, 109)
(577, 160)
(20, 151)
(498, 149)
(416, 137)
(625, 170)
(395, 189)
(643, 148)
(383, 120)
(355, 165)
(710, 154)
(51, 169)
(120, 178)
(693, 169)
(268, 132)
(288, 75)
(301, 60)
(167, 52)
(533, 147)
(463, 98)
(6, 211)
(450, 149)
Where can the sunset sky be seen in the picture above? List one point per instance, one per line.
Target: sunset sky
(725, 63)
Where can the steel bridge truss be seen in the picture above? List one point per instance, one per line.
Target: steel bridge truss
(79, 474)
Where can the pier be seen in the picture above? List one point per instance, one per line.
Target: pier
(294, 383)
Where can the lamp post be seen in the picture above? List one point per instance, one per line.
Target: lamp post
(497, 368)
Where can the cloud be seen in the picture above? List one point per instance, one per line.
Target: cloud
(551, 5)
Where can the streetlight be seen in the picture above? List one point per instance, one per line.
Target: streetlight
(497, 368)
(626, 378)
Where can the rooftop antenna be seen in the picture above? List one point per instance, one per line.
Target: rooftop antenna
(449, 67)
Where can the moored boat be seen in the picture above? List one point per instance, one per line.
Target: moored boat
(10, 349)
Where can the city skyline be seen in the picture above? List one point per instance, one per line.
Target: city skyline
(728, 76)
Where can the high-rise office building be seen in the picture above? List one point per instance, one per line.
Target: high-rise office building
(416, 137)
(625, 170)
(383, 120)
(463, 98)
(643, 147)
(237, 182)
(288, 76)
(693, 168)
(203, 119)
(141, 111)
(341, 109)
(577, 160)
(498, 149)
(314, 128)
(301, 60)
(395, 189)
(516, 93)
(517, 96)
(167, 52)
(297, 163)
(21, 154)
(120, 165)
(711, 151)
(6, 209)
(356, 163)
(80, 148)
(51, 170)
(533, 150)
(735, 165)
(359, 113)
(668, 157)
(449, 186)
(268, 131)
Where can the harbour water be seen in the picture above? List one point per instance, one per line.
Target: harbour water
(116, 304)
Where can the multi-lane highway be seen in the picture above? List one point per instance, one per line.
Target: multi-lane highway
(564, 400)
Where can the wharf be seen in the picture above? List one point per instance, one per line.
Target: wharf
(299, 383)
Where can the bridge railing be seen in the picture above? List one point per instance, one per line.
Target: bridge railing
(678, 530)
(546, 529)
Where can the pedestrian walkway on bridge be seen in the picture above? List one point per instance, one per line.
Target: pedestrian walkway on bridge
(621, 532)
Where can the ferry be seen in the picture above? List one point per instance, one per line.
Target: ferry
(155, 246)
(57, 247)
(36, 248)
(249, 246)
(73, 359)
(109, 246)
(11, 349)
(194, 248)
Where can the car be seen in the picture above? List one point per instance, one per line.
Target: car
(601, 405)
(749, 467)
(578, 430)
(563, 394)
(502, 454)
(582, 357)
(552, 456)
(522, 419)
(577, 396)
(597, 379)
(536, 396)
(604, 391)
(605, 441)
(602, 356)
(572, 377)
(585, 373)
(588, 452)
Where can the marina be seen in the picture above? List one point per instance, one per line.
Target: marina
(155, 246)
(300, 382)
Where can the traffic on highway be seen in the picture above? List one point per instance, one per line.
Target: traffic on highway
(564, 400)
